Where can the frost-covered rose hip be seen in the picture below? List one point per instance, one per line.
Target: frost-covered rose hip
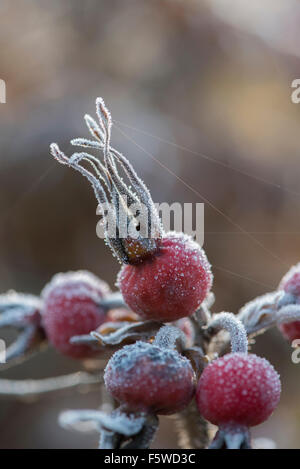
(169, 285)
(72, 306)
(290, 284)
(146, 377)
(238, 390)
(165, 276)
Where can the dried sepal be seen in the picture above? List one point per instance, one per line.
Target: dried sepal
(117, 421)
(118, 201)
(260, 313)
(130, 332)
(111, 336)
(94, 129)
(289, 313)
(231, 437)
(73, 162)
(19, 309)
(104, 351)
(86, 143)
(114, 428)
(268, 311)
(113, 301)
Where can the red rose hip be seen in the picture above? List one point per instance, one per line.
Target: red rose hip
(169, 285)
(148, 378)
(72, 306)
(239, 388)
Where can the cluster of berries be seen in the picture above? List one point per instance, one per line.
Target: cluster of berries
(165, 279)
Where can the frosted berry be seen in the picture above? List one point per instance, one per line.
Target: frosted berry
(290, 284)
(149, 378)
(238, 389)
(169, 285)
(72, 307)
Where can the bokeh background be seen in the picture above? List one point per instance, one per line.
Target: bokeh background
(202, 86)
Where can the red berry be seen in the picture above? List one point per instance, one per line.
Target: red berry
(71, 307)
(146, 377)
(170, 285)
(238, 388)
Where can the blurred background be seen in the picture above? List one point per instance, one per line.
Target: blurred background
(202, 86)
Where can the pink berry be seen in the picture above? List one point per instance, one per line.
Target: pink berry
(238, 388)
(149, 378)
(169, 285)
(72, 307)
